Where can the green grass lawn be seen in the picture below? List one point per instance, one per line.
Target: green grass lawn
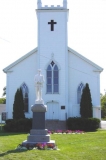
(88, 146)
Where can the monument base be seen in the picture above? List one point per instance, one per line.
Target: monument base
(26, 142)
(38, 136)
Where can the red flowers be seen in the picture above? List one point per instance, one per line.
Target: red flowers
(65, 132)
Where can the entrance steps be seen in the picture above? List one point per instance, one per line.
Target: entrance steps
(55, 125)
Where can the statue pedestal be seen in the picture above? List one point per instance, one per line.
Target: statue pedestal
(38, 121)
(38, 133)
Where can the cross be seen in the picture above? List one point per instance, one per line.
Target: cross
(52, 24)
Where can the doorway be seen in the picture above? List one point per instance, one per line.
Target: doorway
(52, 111)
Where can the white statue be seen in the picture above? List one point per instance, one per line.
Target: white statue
(39, 80)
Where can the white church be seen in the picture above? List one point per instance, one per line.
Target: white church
(65, 71)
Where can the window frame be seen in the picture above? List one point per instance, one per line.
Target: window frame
(79, 92)
(24, 92)
(54, 68)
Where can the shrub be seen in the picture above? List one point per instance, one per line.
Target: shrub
(20, 125)
(18, 106)
(2, 100)
(85, 124)
(86, 103)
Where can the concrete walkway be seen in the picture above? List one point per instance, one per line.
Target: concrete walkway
(103, 124)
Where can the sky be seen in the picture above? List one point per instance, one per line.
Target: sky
(86, 31)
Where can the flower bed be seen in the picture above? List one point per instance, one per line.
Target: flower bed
(37, 146)
(66, 132)
(47, 146)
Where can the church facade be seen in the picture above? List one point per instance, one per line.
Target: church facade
(65, 71)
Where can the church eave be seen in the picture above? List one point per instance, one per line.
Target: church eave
(7, 69)
(98, 68)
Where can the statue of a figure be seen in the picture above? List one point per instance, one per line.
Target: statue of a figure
(39, 80)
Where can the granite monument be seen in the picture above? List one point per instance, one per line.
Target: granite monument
(38, 133)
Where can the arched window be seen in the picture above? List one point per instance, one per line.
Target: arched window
(52, 78)
(55, 79)
(25, 96)
(49, 79)
(79, 92)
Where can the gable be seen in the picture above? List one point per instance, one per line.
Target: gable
(77, 60)
(7, 69)
(74, 55)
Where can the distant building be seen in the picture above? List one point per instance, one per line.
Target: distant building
(2, 109)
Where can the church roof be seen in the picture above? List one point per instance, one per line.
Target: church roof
(97, 68)
(19, 60)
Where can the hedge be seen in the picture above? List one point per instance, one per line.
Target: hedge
(85, 124)
(25, 125)
(21, 125)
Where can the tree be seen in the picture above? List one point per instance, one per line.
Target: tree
(18, 106)
(2, 101)
(4, 92)
(103, 106)
(86, 103)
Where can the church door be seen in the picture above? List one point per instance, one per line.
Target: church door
(52, 111)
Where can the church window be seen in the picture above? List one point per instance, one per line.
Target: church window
(49, 79)
(25, 96)
(79, 92)
(52, 63)
(52, 78)
(55, 79)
